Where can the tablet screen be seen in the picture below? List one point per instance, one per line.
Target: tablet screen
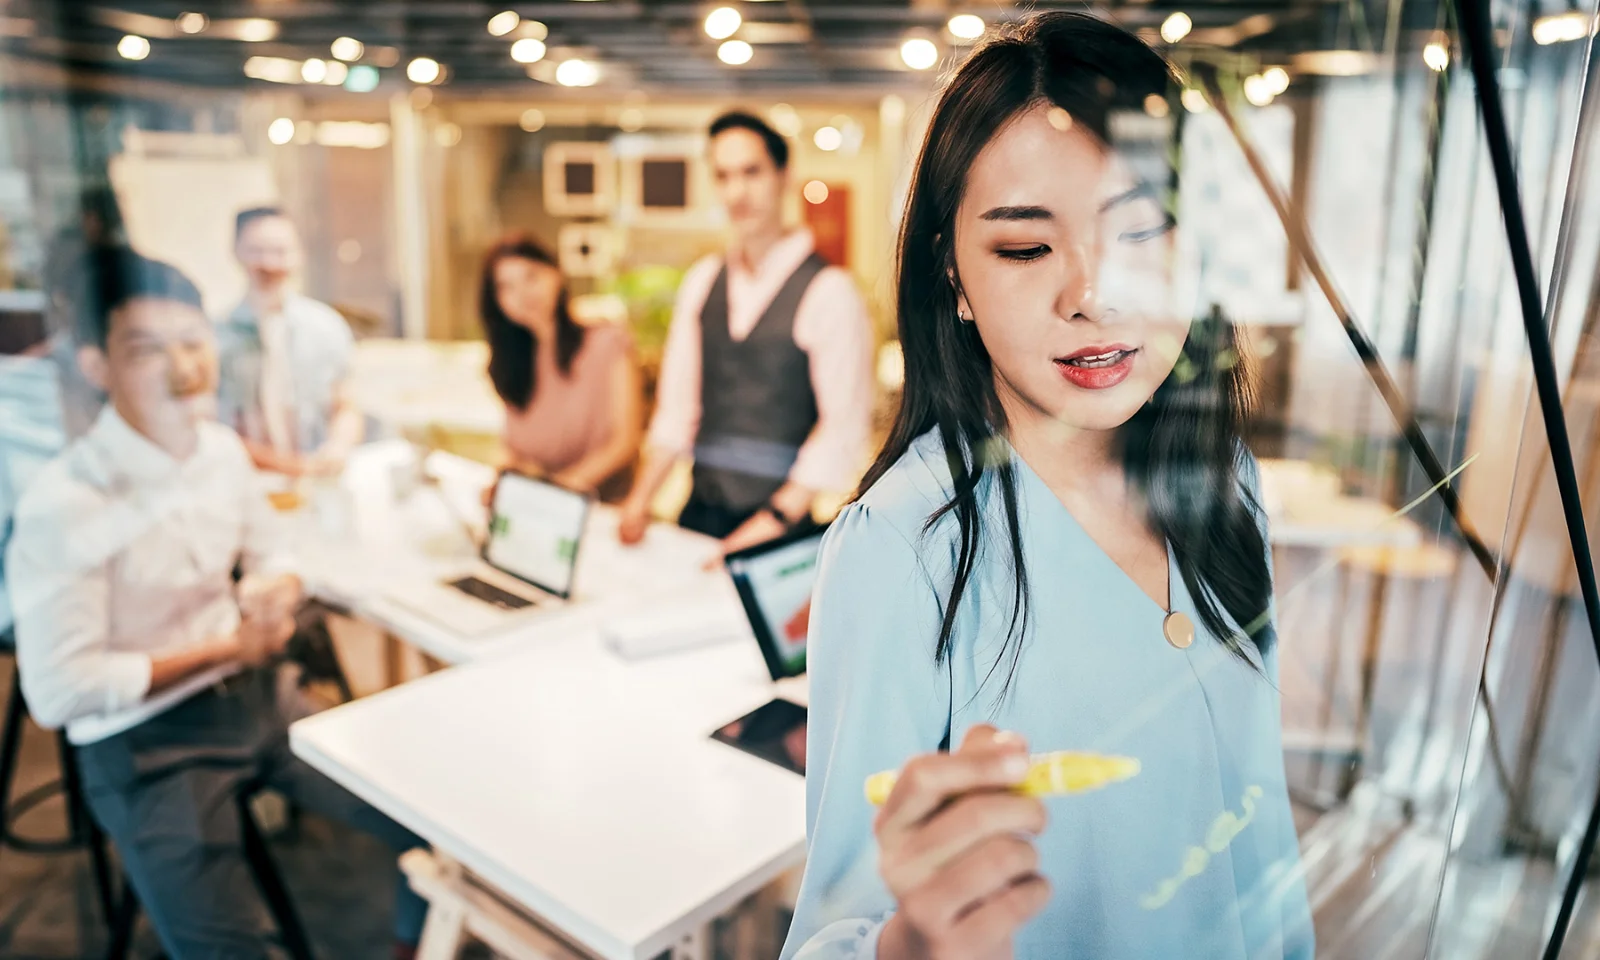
(775, 585)
(775, 732)
(534, 529)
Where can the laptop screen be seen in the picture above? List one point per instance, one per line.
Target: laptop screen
(774, 582)
(534, 530)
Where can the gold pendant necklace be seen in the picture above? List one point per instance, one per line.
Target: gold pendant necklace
(1178, 629)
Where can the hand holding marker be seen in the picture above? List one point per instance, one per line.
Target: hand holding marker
(955, 841)
(1049, 775)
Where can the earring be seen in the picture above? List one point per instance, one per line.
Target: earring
(962, 317)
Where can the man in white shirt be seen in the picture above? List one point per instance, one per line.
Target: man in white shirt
(131, 633)
(285, 359)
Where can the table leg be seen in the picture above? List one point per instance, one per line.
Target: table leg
(393, 651)
(695, 945)
(1369, 677)
(446, 925)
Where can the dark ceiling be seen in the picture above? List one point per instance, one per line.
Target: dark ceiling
(647, 44)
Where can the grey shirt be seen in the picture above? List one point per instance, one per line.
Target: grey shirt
(317, 348)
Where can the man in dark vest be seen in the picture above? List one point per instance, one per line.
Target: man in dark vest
(766, 380)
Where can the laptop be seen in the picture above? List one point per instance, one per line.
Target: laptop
(774, 581)
(526, 567)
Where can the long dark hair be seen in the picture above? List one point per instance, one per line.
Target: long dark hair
(513, 349)
(1181, 451)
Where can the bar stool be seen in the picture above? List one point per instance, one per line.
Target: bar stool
(1415, 564)
(81, 829)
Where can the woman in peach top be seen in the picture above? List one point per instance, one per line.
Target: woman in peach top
(574, 408)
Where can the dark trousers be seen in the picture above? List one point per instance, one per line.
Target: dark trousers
(165, 791)
(711, 519)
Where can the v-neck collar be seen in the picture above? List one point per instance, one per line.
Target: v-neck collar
(1037, 490)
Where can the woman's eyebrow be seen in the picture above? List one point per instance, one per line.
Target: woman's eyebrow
(1141, 190)
(1017, 213)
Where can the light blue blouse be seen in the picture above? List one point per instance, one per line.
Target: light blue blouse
(1196, 857)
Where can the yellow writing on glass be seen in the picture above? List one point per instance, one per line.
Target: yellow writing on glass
(1050, 774)
(1223, 829)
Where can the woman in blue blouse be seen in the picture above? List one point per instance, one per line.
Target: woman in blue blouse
(1059, 548)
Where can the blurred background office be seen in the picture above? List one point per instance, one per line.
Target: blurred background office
(430, 166)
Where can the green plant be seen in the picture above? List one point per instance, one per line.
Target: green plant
(650, 293)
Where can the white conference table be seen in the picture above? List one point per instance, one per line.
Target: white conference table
(356, 543)
(578, 785)
(581, 787)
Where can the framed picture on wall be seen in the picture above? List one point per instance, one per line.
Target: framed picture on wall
(579, 179)
(663, 185)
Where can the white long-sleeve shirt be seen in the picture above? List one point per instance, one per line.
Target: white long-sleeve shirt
(121, 552)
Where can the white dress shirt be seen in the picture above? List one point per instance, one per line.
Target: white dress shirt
(121, 551)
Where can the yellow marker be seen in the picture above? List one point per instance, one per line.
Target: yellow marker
(1051, 774)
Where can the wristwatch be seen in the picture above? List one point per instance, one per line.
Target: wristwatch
(771, 509)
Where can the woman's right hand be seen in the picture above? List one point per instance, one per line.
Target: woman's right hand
(955, 849)
(634, 521)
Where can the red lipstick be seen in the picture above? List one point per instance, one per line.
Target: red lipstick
(1097, 367)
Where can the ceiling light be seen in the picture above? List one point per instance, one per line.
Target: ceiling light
(965, 26)
(314, 71)
(828, 138)
(337, 73)
(1176, 27)
(1156, 106)
(1336, 63)
(815, 192)
(447, 134)
(577, 73)
(1258, 90)
(1561, 27)
(352, 133)
(272, 69)
(1277, 80)
(504, 22)
(255, 30)
(631, 120)
(422, 70)
(532, 120)
(1436, 56)
(527, 50)
(281, 131)
(534, 29)
(133, 47)
(192, 23)
(919, 53)
(362, 79)
(723, 23)
(347, 48)
(734, 52)
(784, 119)
(1194, 101)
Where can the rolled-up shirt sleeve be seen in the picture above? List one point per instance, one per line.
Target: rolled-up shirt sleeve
(676, 422)
(833, 327)
(877, 700)
(62, 603)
